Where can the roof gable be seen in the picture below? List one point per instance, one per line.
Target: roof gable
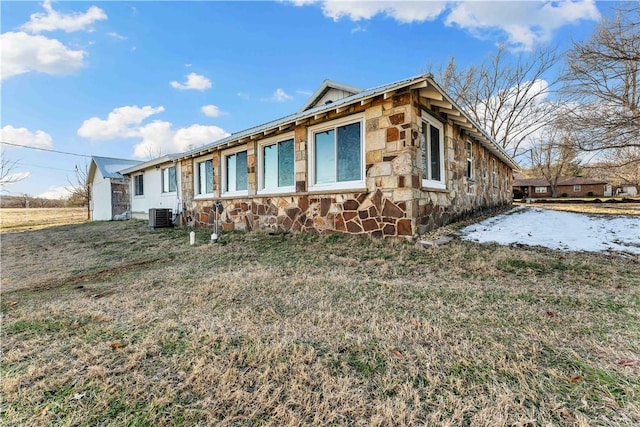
(109, 167)
(328, 92)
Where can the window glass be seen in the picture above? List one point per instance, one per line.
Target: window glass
(241, 171)
(138, 183)
(435, 153)
(349, 152)
(285, 163)
(325, 158)
(205, 177)
(469, 160)
(270, 165)
(169, 179)
(231, 173)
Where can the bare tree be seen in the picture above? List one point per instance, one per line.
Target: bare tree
(7, 174)
(505, 97)
(602, 83)
(81, 189)
(618, 166)
(554, 156)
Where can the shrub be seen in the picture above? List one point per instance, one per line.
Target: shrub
(590, 193)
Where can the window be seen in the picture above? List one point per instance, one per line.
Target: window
(234, 173)
(469, 160)
(494, 173)
(577, 188)
(204, 177)
(169, 182)
(138, 185)
(337, 160)
(432, 153)
(276, 165)
(541, 189)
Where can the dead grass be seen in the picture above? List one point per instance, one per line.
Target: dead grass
(115, 324)
(592, 208)
(14, 219)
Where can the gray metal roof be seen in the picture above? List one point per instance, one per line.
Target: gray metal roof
(109, 167)
(301, 115)
(153, 162)
(424, 79)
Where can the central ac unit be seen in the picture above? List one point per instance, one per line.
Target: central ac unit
(159, 218)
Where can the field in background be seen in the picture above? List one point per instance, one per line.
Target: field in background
(21, 219)
(131, 326)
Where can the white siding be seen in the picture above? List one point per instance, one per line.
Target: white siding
(100, 198)
(332, 95)
(153, 196)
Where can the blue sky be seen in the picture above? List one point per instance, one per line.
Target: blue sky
(138, 79)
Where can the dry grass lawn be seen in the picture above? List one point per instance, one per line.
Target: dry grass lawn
(18, 219)
(591, 208)
(114, 324)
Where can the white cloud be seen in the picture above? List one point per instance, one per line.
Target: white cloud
(211, 110)
(116, 35)
(194, 81)
(243, 95)
(155, 137)
(53, 20)
(404, 12)
(56, 193)
(24, 137)
(22, 53)
(304, 92)
(278, 96)
(161, 137)
(522, 24)
(121, 122)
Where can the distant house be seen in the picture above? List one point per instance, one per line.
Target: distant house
(154, 184)
(394, 160)
(627, 189)
(536, 188)
(109, 188)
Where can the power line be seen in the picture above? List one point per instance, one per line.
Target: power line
(44, 149)
(43, 167)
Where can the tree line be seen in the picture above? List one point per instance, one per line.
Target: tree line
(585, 121)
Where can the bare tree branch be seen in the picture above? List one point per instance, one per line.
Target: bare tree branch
(507, 99)
(602, 86)
(81, 189)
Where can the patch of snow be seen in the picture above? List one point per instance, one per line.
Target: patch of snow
(565, 231)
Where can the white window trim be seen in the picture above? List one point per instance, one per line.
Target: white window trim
(270, 141)
(346, 185)
(138, 196)
(430, 183)
(223, 170)
(540, 189)
(168, 193)
(577, 188)
(196, 177)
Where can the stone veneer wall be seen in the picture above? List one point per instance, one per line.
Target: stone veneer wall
(392, 204)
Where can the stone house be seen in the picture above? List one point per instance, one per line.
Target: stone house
(395, 160)
(109, 188)
(573, 186)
